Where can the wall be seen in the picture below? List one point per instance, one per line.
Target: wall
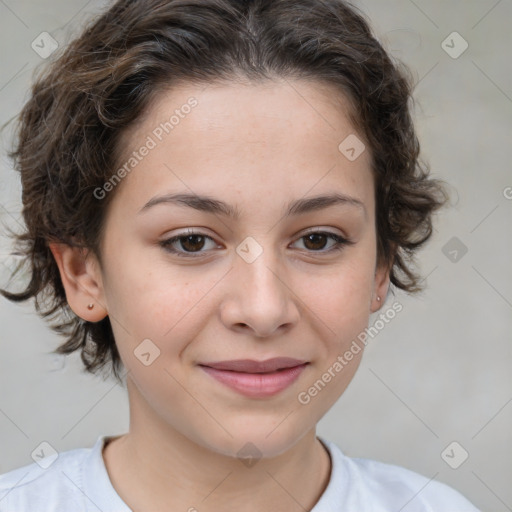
(439, 372)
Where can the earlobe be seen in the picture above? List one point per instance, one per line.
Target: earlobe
(81, 279)
(380, 287)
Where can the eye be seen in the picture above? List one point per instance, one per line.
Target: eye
(192, 242)
(315, 241)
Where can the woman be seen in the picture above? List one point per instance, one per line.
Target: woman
(217, 196)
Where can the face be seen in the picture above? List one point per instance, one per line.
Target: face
(268, 273)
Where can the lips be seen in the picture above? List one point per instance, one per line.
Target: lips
(256, 379)
(252, 366)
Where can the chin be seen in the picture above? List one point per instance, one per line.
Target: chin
(256, 440)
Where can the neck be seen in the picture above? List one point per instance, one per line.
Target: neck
(155, 467)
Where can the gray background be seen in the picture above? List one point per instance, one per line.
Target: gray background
(437, 373)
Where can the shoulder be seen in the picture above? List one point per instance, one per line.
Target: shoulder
(54, 479)
(384, 487)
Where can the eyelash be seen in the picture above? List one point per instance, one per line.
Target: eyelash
(340, 244)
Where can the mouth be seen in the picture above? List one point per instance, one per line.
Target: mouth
(256, 379)
(252, 366)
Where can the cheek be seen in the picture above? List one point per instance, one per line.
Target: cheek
(163, 304)
(342, 308)
(341, 302)
(146, 289)
(342, 297)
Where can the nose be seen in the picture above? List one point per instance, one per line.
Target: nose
(257, 297)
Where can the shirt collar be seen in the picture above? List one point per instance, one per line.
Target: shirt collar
(98, 489)
(101, 495)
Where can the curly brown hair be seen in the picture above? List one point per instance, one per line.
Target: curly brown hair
(68, 133)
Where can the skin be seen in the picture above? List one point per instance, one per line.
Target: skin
(256, 147)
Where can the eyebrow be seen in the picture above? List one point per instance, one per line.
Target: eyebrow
(215, 206)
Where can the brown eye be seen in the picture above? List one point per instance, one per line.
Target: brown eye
(316, 241)
(192, 243)
(188, 244)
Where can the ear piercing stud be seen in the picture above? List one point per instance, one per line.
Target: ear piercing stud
(378, 298)
(90, 306)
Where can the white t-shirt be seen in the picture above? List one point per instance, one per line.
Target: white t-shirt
(77, 481)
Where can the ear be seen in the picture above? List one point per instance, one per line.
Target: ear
(380, 286)
(81, 277)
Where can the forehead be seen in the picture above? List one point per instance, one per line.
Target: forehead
(254, 105)
(276, 137)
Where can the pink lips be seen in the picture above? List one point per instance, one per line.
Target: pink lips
(257, 379)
